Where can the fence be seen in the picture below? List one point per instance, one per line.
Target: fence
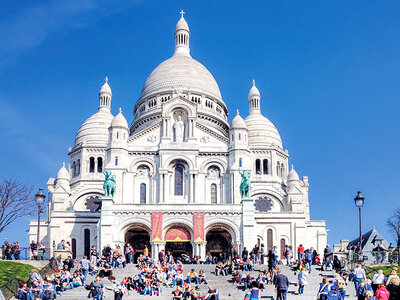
(26, 254)
(10, 288)
(374, 258)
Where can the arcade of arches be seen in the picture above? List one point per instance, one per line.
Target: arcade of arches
(179, 240)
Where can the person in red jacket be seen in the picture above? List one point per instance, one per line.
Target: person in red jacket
(382, 293)
(300, 252)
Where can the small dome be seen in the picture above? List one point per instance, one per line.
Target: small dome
(182, 24)
(254, 92)
(238, 122)
(119, 120)
(262, 133)
(105, 88)
(95, 129)
(293, 176)
(63, 173)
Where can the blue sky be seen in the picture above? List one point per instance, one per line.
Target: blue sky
(328, 72)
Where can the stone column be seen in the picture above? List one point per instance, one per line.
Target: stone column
(249, 232)
(106, 222)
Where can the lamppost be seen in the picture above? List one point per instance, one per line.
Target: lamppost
(359, 201)
(39, 198)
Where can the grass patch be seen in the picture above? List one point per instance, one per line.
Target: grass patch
(386, 270)
(9, 270)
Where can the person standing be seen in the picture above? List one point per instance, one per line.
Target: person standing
(281, 283)
(377, 279)
(85, 263)
(117, 288)
(308, 258)
(323, 289)
(262, 254)
(300, 252)
(382, 293)
(34, 249)
(128, 253)
(245, 254)
(359, 276)
(16, 251)
(146, 251)
(61, 245)
(94, 255)
(302, 280)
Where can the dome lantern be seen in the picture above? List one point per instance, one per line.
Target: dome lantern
(182, 34)
(105, 95)
(254, 99)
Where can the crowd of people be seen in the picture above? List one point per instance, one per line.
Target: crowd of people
(167, 273)
(10, 250)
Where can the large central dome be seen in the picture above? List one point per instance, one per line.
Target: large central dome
(181, 72)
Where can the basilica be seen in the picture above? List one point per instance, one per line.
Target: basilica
(177, 170)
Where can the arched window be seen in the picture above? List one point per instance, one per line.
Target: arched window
(269, 240)
(86, 242)
(73, 169)
(283, 170)
(142, 193)
(179, 180)
(116, 160)
(258, 166)
(278, 169)
(78, 167)
(99, 164)
(240, 136)
(213, 193)
(91, 165)
(117, 135)
(240, 162)
(265, 166)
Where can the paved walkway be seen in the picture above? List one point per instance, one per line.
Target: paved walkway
(226, 289)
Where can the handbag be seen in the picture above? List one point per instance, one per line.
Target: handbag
(247, 296)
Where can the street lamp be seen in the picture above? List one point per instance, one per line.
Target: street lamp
(359, 201)
(39, 198)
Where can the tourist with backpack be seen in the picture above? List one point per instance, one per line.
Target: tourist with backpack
(308, 258)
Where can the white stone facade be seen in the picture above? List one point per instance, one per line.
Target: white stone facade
(180, 156)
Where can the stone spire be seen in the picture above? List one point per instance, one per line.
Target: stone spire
(254, 99)
(105, 95)
(182, 34)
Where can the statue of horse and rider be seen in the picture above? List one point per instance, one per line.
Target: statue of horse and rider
(245, 185)
(109, 184)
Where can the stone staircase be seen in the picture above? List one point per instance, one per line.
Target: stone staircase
(226, 288)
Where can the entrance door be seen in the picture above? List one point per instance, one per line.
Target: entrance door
(178, 242)
(219, 240)
(138, 238)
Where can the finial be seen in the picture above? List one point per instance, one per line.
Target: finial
(254, 82)
(120, 110)
(182, 13)
(292, 167)
(106, 79)
(237, 112)
(63, 164)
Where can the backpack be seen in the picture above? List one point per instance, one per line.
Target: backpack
(352, 277)
(308, 256)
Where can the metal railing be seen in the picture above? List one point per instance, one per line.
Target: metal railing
(26, 254)
(374, 258)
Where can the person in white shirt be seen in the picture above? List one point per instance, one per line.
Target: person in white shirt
(359, 274)
(378, 278)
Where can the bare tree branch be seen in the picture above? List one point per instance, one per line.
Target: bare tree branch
(16, 201)
(393, 223)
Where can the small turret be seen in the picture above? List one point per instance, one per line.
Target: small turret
(63, 178)
(182, 34)
(105, 96)
(254, 100)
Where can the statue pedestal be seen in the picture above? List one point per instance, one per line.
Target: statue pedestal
(106, 221)
(249, 230)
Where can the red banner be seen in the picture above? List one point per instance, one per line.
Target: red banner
(156, 227)
(198, 225)
(177, 234)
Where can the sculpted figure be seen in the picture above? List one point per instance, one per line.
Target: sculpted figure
(179, 127)
(109, 184)
(245, 185)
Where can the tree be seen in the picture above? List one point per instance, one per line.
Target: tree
(16, 201)
(394, 225)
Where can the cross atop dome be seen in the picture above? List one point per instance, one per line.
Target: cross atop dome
(106, 79)
(182, 13)
(254, 82)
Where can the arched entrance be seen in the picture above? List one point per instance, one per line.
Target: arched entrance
(138, 237)
(219, 240)
(178, 242)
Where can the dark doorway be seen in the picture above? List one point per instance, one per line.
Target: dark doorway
(179, 248)
(138, 237)
(219, 240)
(73, 248)
(86, 250)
